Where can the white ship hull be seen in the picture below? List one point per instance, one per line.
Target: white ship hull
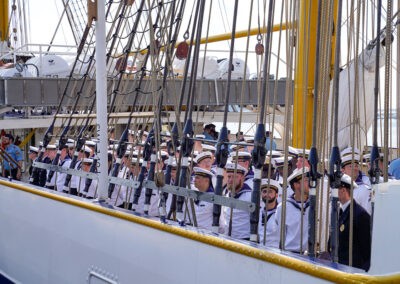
(50, 238)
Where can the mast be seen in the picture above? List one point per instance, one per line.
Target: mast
(304, 78)
(3, 20)
(101, 101)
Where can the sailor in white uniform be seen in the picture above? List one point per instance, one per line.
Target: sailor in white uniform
(208, 148)
(51, 150)
(75, 180)
(237, 189)
(91, 192)
(244, 159)
(204, 160)
(203, 210)
(249, 140)
(65, 161)
(119, 193)
(174, 167)
(197, 143)
(153, 210)
(134, 170)
(351, 167)
(302, 158)
(269, 196)
(92, 145)
(297, 208)
(279, 164)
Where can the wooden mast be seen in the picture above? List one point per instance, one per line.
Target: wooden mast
(304, 75)
(3, 20)
(305, 69)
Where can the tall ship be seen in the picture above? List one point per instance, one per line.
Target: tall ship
(200, 141)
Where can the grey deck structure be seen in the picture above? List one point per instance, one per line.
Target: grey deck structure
(32, 92)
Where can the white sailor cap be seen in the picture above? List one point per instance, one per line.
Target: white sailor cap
(135, 153)
(200, 136)
(367, 158)
(136, 161)
(274, 154)
(145, 133)
(86, 149)
(164, 154)
(305, 153)
(246, 156)
(128, 152)
(231, 167)
(346, 181)
(131, 132)
(350, 151)
(113, 146)
(293, 152)
(236, 147)
(87, 161)
(280, 161)
(298, 174)
(348, 159)
(202, 172)
(33, 149)
(173, 163)
(51, 147)
(70, 143)
(203, 155)
(166, 133)
(163, 145)
(90, 143)
(207, 147)
(271, 184)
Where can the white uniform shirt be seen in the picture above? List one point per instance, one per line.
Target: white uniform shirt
(92, 190)
(362, 195)
(154, 202)
(293, 229)
(119, 192)
(240, 219)
(53, 179)
(75, 179)
(61, 176)
(272, 231)
(204, 212)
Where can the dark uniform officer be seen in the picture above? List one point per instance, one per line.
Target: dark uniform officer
(361, 253)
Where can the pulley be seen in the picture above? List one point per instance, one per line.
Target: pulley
(182, 50)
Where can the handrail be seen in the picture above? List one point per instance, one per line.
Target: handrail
(312, 269)
(27, 49)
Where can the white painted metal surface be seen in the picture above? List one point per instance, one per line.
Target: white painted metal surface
(101, 102)
(386, 229)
